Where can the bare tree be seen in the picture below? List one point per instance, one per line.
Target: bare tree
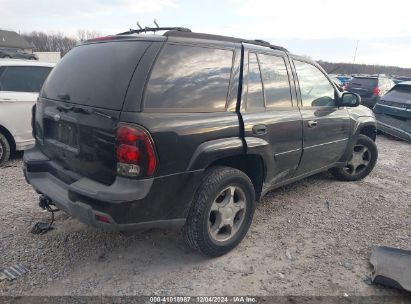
(83, 35)
(44, 42)
(349, 68)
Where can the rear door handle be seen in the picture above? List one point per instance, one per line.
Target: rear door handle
(260, 130)
(312, 123)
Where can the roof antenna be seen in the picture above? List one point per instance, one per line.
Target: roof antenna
(155, 22)
(138, 24)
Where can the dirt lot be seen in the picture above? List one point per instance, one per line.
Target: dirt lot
(310, 238)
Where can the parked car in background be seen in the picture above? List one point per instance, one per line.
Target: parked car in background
(189, 129)
(398, 79)
(20, 82)
(396, 102)
(8, 53)
(338, 83)
(370, 88)
(393, 111)
(344, 79)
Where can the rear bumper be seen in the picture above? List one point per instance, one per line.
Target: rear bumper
(25, 144)
(128, 204)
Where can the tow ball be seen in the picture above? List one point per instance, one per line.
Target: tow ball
(42, 227)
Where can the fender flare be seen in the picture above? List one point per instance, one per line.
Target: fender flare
(360, 124)
(363, 121)
(213, 150)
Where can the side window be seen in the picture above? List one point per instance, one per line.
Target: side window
(23, 78)
(255, 97)
(316, 90)
(275, 79)
(190, 79)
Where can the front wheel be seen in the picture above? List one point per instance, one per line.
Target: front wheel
(221, 213)
(362, 161)
(4, 150)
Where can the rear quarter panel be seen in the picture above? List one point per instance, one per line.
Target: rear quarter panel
(178, 135)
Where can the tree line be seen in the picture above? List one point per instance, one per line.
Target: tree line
(58, 42)
(349, 68)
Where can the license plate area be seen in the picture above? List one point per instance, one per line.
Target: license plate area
(61, 133)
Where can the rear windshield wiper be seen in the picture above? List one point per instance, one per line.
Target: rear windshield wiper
(77, 109)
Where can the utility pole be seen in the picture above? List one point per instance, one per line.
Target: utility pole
(355, 55)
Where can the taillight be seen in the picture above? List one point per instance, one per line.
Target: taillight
(128, 154)
(135, 152)
(376, 91)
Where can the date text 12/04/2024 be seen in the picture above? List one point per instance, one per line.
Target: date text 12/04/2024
(202, 299)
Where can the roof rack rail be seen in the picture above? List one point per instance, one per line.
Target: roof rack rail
(155, 29)
(260, 41)
(223, 38)
(267, 44)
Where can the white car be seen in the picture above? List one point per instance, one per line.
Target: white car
(20, 84)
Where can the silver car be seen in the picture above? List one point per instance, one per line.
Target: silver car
(20, 83)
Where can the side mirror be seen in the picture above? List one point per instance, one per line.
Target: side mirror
(349, 99)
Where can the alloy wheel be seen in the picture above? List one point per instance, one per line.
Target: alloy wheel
(227, 214)
(359, 161)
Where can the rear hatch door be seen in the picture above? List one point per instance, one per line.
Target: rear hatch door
(80, 105)
(363, 86)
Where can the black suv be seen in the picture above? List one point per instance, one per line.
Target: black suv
(16, 54)
(370, 88)
(189, 129)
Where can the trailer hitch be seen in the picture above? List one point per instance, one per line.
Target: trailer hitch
(42, 227)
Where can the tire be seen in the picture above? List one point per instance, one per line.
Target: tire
(4, 150)
(202, 230)
(361, 163)
(6, 57)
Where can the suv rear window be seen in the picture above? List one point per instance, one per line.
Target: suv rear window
(364, 82)
(190, 79)
(96, 74)
(399, 92)
(23, 78)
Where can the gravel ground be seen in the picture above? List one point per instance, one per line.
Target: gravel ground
(312, 237)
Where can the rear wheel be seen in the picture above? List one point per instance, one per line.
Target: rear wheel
(6, 57)
(222, 211)
(4, 150)
(362, 161)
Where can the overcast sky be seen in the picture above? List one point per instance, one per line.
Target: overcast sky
(321, 29)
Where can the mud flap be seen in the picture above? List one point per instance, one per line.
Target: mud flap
(394, 127)
(392, 267)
